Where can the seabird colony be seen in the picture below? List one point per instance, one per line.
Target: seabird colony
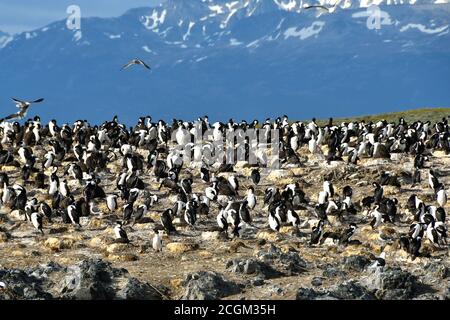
(192, 166)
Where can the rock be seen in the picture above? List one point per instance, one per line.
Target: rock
(252, 266)
(289, 263)
(333, 272)
(288, 230)
(437, 271)
(356, 263)
(274, 289)
(181, 247)
(117, 248)
(257, 282)
(123, 257)
(16, 215)
(212, 235)
(21, 285)
(316, 282)
(96, 223)
(57, 230)
(268, 236)
(391, 283)
(57, 244)
(3, 237)
(96, 279)
(98, 242)
(137, 290)
(307, 294)
(276, 175)
(206, 285)
(350, 290)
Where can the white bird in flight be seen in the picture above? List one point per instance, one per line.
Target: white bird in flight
(23, 108)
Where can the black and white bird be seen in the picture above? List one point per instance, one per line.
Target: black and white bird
(139, 213)
(255, 176)
(251, 198)
(120, 234)
(274, 221)
(293, 218)
(166, 221)
(377, 217)
(136, 62)
(190, 214)
(317, 232)
(74, 215)
(441, 195)
(222, 219)
(36, 220)
(348, 234)
(111, 202)
(23, 109)
(127, 212)
(380, 261)
(433, 181)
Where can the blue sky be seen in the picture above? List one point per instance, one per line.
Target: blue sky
(24, 15)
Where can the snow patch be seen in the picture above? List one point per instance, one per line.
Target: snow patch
(216, 9)
(4, 40)
(30, 35)
(114, 36)
(201, 59)
(423, 28)
(288, 6)
(306, 32)
(234, 42)
(152, 21)
(77, 35)
(188, 32)
(231, 7)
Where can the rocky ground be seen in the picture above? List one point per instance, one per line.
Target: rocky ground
(67, 262)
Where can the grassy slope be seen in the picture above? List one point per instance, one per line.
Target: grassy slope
(432, 114)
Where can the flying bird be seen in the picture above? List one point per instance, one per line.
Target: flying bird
(23, 108)
(136, 61)
(320, 8)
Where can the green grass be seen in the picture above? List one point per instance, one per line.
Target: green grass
(425, 114)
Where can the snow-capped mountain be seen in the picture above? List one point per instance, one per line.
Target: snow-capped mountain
(242, 58)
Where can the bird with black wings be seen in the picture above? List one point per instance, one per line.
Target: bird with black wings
(320, 8)
(23, 109)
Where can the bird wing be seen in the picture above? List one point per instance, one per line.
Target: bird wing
(11, 116)
(128, 65)
(38, 100)
(316, 6)
(17, 100)
(144, 64)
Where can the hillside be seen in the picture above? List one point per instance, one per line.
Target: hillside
(424, 114)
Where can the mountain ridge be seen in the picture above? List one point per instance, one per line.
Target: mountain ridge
(270, 63)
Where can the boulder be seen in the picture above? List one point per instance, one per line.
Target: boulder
(206, 285)
(181, 247)
(57, 244)
(391, 283)
(96, 279)
(288, 263)
(252, 266)
(356, 263)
